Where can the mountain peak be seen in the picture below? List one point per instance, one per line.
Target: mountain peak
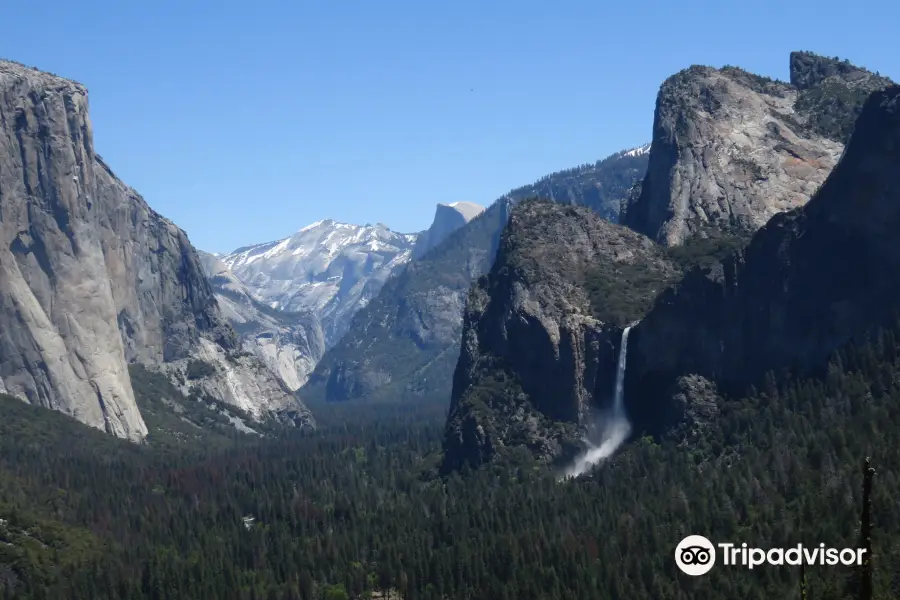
(319, 223)
(698, 176)
(468, 210)
(809, 70)
(328, 267)
(447, 219)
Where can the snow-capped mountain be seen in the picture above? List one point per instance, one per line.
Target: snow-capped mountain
(332, 269)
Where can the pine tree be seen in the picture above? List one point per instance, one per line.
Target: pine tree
(865, 588)
(803, 581)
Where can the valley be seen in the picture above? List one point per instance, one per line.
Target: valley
(534, 398)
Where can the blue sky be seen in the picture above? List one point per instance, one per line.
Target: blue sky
(244, 121)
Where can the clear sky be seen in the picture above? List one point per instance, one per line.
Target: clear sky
(244, 121)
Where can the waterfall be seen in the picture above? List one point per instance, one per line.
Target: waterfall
(618, 408)
(616, 427)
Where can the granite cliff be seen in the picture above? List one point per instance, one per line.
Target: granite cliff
(542, 329)
(447, 219)
(59, 343)
(731, 149)
(540, 334)
(812, 279)
(91, 278)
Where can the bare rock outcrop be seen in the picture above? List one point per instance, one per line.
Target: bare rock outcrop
(731, 149)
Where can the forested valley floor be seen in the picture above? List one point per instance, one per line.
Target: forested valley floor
(357, 510)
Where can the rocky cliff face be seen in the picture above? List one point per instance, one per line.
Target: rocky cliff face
(332, 269)
(731, 149)
(90, 277)
(164, 303)
(811, 279)
(405, 343)
(290, 344)
(537, 354)
(447, 219)
(59, 343)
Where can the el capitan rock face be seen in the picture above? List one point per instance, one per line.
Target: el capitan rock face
(59, 343)
(164, 301)
(810, 280)
(731, 149)
(91, 278)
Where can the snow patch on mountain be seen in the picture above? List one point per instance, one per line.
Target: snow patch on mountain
(637, 151)
(332, 269)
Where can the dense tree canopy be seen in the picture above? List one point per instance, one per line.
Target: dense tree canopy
(357, 508)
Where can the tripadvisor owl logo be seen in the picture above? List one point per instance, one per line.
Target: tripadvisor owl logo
(696, 555)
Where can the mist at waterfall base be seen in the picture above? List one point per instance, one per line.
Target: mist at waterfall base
(612, 426)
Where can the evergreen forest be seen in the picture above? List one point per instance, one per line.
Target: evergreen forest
(357, 509)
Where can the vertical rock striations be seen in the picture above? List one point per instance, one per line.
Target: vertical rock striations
(91, 278)
(164, 300)
(59, 343)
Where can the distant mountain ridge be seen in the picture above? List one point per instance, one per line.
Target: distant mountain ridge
(329, 268)
(602, 186)
(405, 342)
